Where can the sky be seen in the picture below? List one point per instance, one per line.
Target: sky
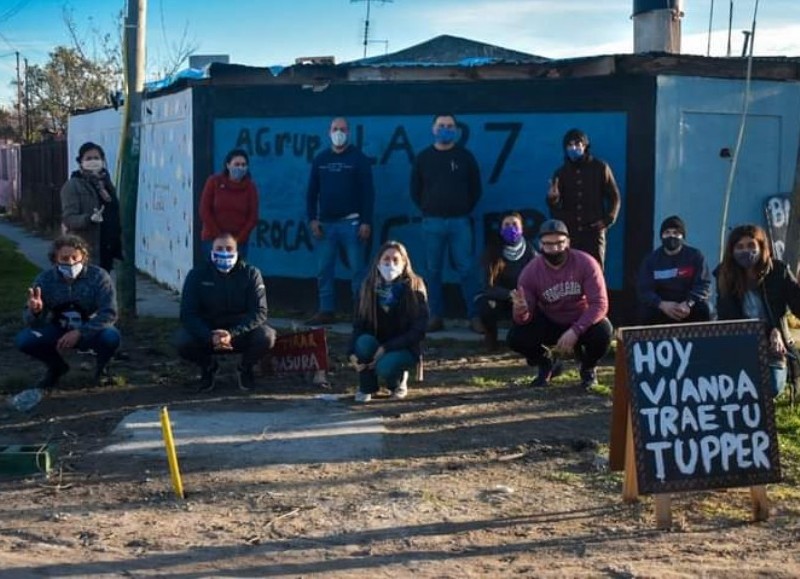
(275, 32)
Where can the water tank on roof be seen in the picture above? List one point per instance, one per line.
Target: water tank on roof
(640, 6)
(657, 26)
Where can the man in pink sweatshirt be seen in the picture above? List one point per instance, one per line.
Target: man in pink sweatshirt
(561, 304)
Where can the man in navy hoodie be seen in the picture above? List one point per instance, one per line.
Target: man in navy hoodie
(674, 282)
(340, 201)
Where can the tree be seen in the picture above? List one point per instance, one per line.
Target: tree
(68, 82)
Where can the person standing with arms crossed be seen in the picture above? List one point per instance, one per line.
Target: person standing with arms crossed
(584, 195)
(340, 199)
(446, 186)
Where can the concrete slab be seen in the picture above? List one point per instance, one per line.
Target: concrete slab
(308, 432)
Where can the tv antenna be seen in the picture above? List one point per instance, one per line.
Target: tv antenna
(367, 40)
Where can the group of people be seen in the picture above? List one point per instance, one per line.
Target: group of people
(553, 290)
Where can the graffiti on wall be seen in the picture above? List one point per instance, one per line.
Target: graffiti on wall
(517, 154)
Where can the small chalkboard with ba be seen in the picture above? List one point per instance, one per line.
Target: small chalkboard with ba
(693, 410)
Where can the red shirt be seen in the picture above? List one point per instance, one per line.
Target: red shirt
(228, 206)
(574, 295)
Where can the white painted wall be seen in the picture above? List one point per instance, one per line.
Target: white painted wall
(165, 213)
(101, 127)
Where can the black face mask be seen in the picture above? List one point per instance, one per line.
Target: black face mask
(556, 258)
(671, 243)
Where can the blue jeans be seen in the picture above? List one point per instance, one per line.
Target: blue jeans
(40, 343)
(455, 234)
(389, 368)
(335, 234)
(777, 375)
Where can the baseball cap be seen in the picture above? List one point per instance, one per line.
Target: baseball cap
(553, 226)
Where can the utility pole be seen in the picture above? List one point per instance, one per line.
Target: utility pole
(130, 149)
(730, 26)
(366, 22)
(19, 100)
(27, 135)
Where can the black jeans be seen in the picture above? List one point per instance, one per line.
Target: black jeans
(491, 315)
(530, 340)
(253, 346)
(592, 242)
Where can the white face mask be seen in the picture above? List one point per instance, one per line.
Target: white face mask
(338, 138)
(390, 271)
(70, 271)
(92, 165)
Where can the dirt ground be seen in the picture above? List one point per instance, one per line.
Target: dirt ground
(481, 476)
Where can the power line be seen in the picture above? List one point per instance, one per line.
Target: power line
(366, 23)
(14, 10)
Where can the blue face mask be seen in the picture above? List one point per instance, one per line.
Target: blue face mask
(574, 153)
(224, 260)
(70, 271)
(445, 135)
(237, 173)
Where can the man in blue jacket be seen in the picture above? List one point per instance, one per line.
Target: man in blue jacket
(224, 309)
(71, 305)
(674, 283)
(340, 202)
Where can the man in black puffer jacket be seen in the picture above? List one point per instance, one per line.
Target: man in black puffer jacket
(224, 309)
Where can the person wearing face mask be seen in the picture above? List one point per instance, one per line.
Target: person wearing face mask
(674, 282)
(446, 187)
(752, 284)
(72, 305)
(389, 325)
(340, 201)
(229, 203)
(224, 310)
(90, 207)
(584, 194)
(507, 253)
(560, 305)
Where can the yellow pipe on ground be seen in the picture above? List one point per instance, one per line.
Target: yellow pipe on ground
(172, 455)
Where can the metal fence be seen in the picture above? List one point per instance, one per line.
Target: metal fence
(44, 170)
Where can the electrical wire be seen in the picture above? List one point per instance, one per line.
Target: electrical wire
(710, 23)
(740, 137)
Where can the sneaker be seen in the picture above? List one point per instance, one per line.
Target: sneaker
(207, 378)
(435, 324)
(547, 371)
(86, 352)
(247, 381)
(52, 376)
(363, 397)
(321, 319)
(589, 378)
(490, 340)
(103, 376)
(402, 389)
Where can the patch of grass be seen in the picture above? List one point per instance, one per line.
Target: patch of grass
(787, 422)
(18, 273)
(483, 382)
(562, 476)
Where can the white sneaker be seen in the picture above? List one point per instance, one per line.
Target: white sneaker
(363, 397)
(402, 389)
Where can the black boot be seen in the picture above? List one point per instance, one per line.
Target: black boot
(207, 377)
(247, 381)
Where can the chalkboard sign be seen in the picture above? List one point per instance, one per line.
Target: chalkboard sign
(778, 210)
(701, 406)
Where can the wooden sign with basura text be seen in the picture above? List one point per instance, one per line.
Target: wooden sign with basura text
(305, 351)
(701, 406)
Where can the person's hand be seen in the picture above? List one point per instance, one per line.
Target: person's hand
(35, 303)
(68, 340)
(357, 366)
(221, 340)
(674, 310)
(316, 228)
(364, 231)
(518, 303)
(776, 344)
(97, 214)
(566, 343)
(598, 225)
(553, 194)
(378, 355)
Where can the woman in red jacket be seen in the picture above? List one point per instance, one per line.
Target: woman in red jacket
(229, 203)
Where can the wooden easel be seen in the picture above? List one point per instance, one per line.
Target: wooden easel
(622, 451)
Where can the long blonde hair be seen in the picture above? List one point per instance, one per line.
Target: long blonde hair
(367, 304)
